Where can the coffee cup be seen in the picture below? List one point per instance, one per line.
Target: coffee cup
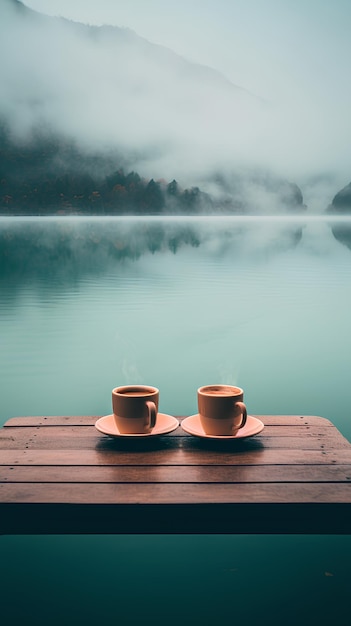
(135, 408)
(221, 409)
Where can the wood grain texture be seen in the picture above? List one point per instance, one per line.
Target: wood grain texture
(220, 474)
(59, 474)
(186, 455)
(87, 437)
(167, 493)
(89, 420)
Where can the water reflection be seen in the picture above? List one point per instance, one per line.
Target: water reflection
(71, 248)
(342, 232)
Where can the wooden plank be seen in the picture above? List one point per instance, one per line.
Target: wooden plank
(190, 455)
(22, 434)
(70, 437)
(176, 474)
(295, 420)
(52, 420)
(313, 442)
(89, 420)
(69, 431)
(167, 493)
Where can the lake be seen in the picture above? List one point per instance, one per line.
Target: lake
(91, 303)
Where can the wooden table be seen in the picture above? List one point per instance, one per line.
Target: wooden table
(60, 475)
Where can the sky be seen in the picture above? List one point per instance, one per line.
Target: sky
(293, 54)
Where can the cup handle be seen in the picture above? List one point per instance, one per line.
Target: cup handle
(152, 413)
(243, 411)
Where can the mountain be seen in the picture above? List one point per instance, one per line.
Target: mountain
(82, 103)
(107, 85)
(341, 203)
(341, 206)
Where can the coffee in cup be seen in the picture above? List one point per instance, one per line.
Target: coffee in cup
(135, 408)
(221, 409)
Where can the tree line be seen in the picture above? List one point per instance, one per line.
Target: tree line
(50, 176)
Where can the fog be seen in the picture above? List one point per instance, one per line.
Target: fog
(109, 88)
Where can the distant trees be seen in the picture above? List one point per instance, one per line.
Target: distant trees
(51, 176)
(173, 189)
(153, 199)
(52, 187)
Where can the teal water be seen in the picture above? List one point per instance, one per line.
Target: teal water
(89, 304)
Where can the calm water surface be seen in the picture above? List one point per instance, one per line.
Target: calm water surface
(90, 304)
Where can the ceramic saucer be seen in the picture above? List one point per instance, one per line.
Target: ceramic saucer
(192, 425)
(164, 424)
